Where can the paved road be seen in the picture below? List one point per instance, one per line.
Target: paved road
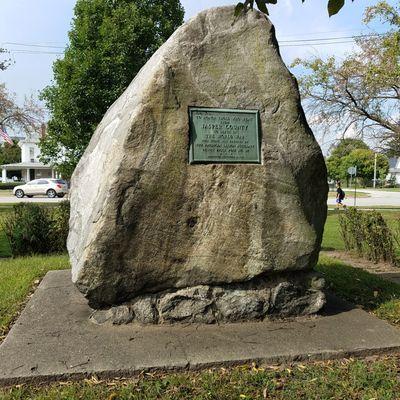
(377, 198)
(36, 199)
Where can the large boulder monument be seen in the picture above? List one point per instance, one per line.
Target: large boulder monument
(202, 194)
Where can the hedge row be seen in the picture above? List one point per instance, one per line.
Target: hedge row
(9, 185)
(367, 233)
(37, 229)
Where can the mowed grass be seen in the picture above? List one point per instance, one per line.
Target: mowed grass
(396, 189)
(350, 193)
(332, 239)
(17, 277)
(372, 293)
(359, 287)
(345, 380)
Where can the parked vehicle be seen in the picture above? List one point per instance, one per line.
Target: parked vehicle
(48, 187)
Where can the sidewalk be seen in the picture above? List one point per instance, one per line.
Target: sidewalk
(54, 339)
(377, 198)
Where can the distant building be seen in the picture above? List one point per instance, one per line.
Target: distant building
(30, 167)
(394, 170)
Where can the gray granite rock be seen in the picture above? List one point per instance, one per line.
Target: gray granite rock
(144, 221)
(144, 310)
(255, 300)
(186, 305)
(121, 315)
(238, 305)
(288, 299)
(101, 317)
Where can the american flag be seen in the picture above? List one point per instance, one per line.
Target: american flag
(5, 137)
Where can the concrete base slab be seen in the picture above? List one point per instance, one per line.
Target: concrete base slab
(53, 339)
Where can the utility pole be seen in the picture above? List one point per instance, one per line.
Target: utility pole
(376, 155)
(355, 187)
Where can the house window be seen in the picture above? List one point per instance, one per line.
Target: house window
(32, 154)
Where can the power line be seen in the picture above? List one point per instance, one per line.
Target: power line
(20, 51)
(326, 41)
(32, 45)
(323, 32)
(333, 38)
(283, 43)
(316, 44)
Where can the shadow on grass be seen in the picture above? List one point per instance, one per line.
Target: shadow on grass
(359, 287)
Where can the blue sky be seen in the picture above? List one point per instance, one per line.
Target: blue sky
(46, 23)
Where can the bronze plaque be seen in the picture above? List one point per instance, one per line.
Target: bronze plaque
(224, 136)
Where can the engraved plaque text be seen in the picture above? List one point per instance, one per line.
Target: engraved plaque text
(224, 136)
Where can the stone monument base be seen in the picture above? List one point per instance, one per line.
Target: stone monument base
(281, 296)
(53, 339)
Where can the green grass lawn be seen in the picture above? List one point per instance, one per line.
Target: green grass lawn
(332, 239)
(397, 189)
(17, 277)
(339, 380)
(349, 193)
(359, 287)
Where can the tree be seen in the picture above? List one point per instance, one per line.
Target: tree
(28, 117)
(364, 160)
(10, 153)
(334, 6)
(109, 42)
(354, 152)
(334, 163)
(361, 92)
(346, 146)
(4, 63)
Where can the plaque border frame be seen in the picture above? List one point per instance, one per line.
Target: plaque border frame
(229, 110)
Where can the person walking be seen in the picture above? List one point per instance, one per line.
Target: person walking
(340, 195)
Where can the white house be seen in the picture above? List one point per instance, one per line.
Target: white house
(394, 170)
(30, 167)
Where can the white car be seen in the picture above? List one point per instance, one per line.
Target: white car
(49, 187)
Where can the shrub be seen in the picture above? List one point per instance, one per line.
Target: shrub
(368, 234)
(27, 229)
(59, 218)
(351, 230)
(37, 229)
(9, 185)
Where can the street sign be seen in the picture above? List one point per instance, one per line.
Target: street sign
(352, 171)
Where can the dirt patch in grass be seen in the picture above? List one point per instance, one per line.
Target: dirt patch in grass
(383, 269)
(370, 291)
